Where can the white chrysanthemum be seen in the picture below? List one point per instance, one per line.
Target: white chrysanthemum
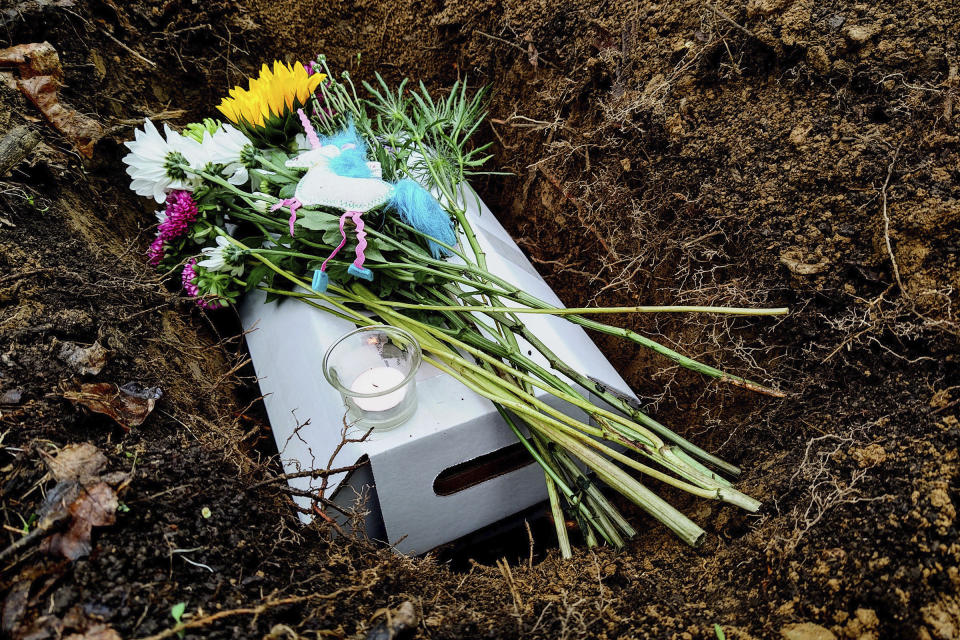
(229, 147)
(222, 257)
(156, 165)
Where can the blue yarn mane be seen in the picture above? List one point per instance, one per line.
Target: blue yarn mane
(347, 136)
(418, 208)
(351, 163)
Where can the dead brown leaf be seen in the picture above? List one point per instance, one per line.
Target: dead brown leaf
(95, 506)
(15, 606)
(96, 632)
(77, 463)
(40, 78)
(126, 409)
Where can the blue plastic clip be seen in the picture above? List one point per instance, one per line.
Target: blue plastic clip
(320, 281)
(360, 272)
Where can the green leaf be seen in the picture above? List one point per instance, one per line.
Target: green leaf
(256, 276)
(319, 221)
(372, 252)
(176, 612)
(288, 190)
(332, 237)
(720, 634)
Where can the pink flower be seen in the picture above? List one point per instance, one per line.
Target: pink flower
(155, 252)
(187, 278)
(181, 212)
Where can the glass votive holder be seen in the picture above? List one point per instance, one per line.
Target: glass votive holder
(375, 369)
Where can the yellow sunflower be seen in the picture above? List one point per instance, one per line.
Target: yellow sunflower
(265, 108)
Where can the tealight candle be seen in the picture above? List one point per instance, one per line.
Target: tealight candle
(375, 370)
(375, 380)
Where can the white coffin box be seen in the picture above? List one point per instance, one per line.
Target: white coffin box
(450, 470)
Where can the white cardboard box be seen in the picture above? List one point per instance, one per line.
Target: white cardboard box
(452, 425)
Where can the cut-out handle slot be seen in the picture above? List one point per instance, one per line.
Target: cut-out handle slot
(479, 470)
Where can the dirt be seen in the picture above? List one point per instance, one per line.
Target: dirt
(773, 152)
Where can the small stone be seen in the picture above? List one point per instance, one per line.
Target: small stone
(806, 631)
(11, 396)
(818, 59)
(836, 21)
(868, 618)
(858, 34)
(798, 135)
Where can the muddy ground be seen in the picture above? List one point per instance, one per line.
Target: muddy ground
(774, 152)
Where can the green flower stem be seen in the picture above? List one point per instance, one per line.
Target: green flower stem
(559, 522)
(511, 292)
(574, 428)
(554, 311)
(602, 504)
(283, 171)
(704, 485)
(707, 485)
(626, 485)
(619, 403)
(602, 392)
(592, 495)
(451, 249)
(578, 445)
(553, 478)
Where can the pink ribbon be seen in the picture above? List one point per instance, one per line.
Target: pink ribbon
(294, 204)
(361, 239)
(343, 241)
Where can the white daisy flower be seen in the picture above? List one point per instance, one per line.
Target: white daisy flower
(229, 147)
(223, 257)
(156, 165)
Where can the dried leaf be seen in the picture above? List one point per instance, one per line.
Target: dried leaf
(85, 360)
(77, 463)
(126, 409)
(40, 78)
(35, 59)
(532, 55)
(14, 606)
(96, 632)
(96, 506)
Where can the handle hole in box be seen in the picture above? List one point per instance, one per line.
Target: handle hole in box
(478, 470)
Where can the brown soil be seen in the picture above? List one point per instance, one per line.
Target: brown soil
(773, 152)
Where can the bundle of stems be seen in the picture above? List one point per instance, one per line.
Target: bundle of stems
(468, 320)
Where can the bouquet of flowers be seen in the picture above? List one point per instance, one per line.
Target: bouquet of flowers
(307, 172)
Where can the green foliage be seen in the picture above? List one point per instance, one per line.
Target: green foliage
(176, 612)
(409, 132)
(196, 130)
